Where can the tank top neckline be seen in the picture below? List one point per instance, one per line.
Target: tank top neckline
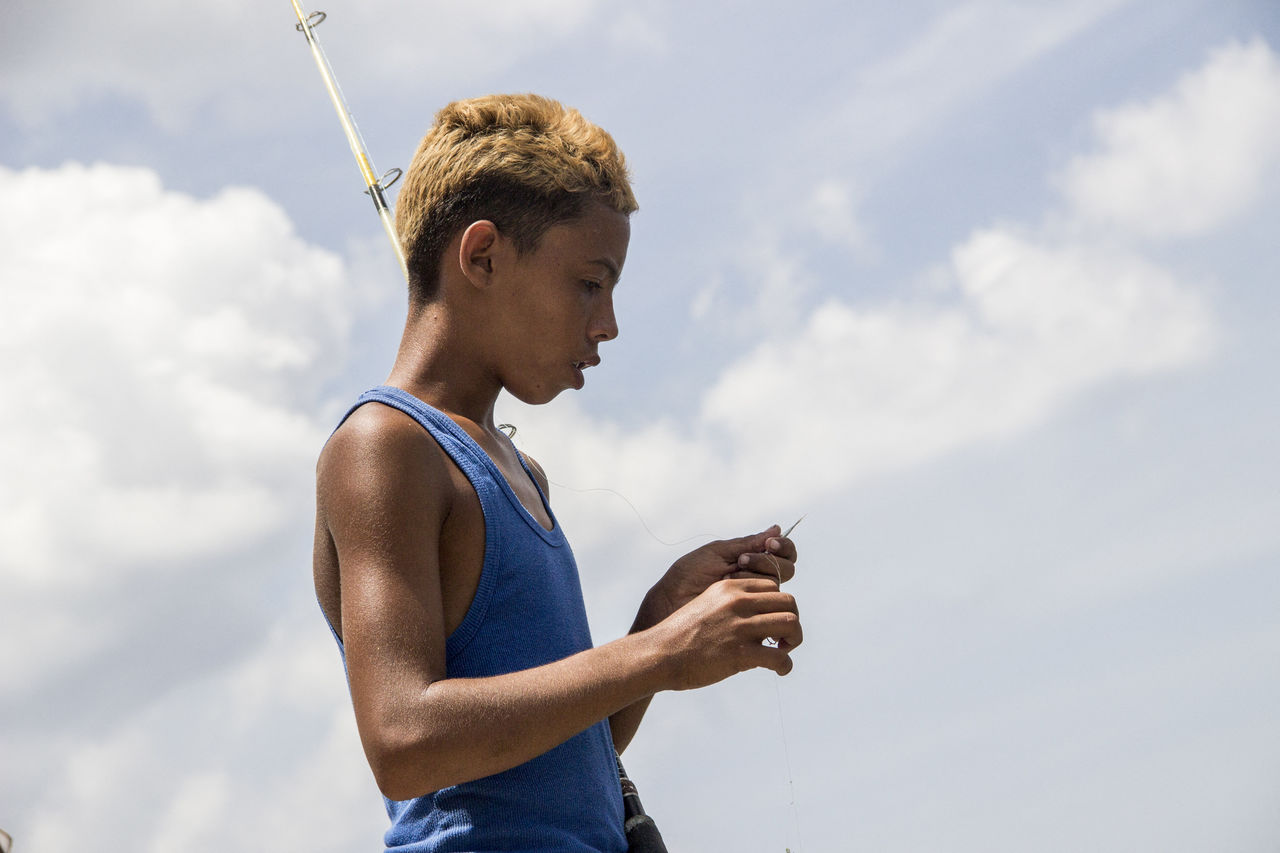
(554, 536)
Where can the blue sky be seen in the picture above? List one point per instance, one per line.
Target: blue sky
(986, 289)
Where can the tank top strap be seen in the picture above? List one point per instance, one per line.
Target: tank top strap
(470, 457)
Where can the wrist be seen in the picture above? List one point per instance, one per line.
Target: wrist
(649, 653)
(656, 606)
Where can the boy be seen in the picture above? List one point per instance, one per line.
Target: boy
(489, 720)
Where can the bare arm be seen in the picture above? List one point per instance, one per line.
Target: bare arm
(385, 495)
(762, 555)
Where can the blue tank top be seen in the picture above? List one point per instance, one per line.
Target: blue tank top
(527, 611)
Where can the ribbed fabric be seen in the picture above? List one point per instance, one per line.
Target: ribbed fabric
(527, 611)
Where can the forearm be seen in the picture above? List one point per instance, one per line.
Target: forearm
(624, 723)
(459, 729)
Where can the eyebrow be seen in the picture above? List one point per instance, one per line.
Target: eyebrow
(610, 266)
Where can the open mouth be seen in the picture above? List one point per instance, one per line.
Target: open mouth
(579, 366)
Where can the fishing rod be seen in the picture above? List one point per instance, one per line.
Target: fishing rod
(374, 186)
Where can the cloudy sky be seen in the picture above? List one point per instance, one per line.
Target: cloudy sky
(986, 289)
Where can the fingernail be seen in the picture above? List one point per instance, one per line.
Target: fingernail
(744, 561)
(773, 545)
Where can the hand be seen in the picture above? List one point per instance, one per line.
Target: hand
(723, 631)
(761, 555)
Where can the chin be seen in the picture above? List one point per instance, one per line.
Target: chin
(535, 396)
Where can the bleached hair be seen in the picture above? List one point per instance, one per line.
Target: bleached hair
(523, 162)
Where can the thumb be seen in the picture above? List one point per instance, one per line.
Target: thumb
(750, 544)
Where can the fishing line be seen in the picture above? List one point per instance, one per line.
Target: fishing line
(510, 430)
(782, 727)
(639, 517)
(786, 755)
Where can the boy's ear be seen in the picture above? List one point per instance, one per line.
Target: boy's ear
(480, 242)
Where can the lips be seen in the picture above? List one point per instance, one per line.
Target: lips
(579, 366)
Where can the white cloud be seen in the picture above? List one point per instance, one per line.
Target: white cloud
(166, 357)
(195, 812)
(167, 360)
(1188, 161)
(264, 748)
(168, 348)
(887, 386)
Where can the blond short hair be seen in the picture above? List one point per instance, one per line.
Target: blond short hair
(523, 162)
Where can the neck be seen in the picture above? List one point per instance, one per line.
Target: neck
(436, 365)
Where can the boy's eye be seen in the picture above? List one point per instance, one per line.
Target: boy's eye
(592, 285)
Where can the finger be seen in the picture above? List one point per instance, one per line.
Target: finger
(778, 568)
(753, 584)
(792, 637)
(752, 543)
(773, 600)
(765, 657)
(782, 627)
(784, 645)
(781, 547)
(770, 576)
(755, 596)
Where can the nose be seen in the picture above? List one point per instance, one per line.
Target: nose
(604, 323)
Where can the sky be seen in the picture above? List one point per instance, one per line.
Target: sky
(986, 290)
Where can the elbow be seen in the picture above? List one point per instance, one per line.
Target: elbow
(412, 766)
(400, 773)
(395, 790)
(402, 764)
(419, 750)
(390, 777)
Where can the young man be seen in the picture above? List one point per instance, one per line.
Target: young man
(488, 718)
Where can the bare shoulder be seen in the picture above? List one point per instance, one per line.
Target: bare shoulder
(380, 473)
(538, 474)
(376, 442)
